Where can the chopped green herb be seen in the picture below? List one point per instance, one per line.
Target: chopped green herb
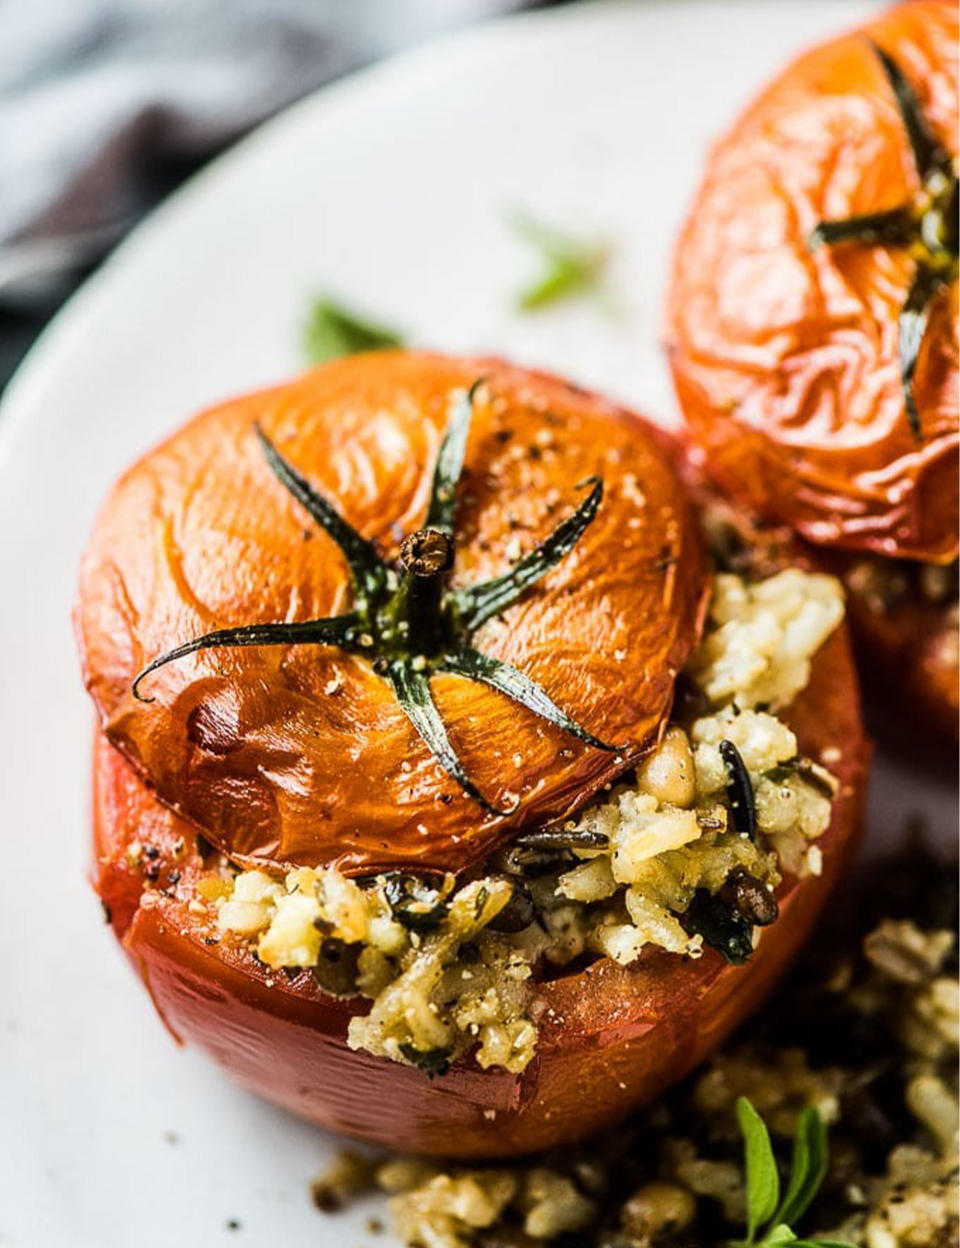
(570, 266)
(332, 331)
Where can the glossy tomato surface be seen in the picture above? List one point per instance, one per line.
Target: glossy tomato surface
(611, 1037)
(302, 754)
(786, 356)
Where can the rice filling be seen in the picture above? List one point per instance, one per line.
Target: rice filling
(685, 852)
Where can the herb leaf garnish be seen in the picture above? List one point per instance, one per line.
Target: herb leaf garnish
(333, 330)
(807, 1171)
(926, 225)
(762, 1178)
(570, 266)
(404, 619)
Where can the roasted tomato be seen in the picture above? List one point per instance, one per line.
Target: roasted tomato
(904, 619)
(611, 1037)
(812, 320)
(320, 872)
(334, 688)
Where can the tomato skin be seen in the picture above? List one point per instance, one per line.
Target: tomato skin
(909, 656)
(785, 360)
(252, 745)
(610, 1037)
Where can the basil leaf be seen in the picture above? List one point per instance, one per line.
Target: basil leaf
(333, 331)
(413, 904)
(762, 1179)
(807, 1169)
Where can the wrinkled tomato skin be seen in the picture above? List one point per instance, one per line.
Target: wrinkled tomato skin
(610, 1037)
(301, 755)
(785, 359)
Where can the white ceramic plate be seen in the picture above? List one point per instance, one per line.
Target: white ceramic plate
(391, 190)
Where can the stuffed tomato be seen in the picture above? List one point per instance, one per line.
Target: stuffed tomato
(453, 787)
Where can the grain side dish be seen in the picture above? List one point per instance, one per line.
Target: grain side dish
(865, 1031)
(687, 850)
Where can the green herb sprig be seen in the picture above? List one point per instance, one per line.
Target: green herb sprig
(570, 266)
(770, 1218)
(332, 331)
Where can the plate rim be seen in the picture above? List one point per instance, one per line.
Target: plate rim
(23, 393)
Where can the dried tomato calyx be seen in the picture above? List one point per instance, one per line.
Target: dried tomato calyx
(926, 225)
(406, 619)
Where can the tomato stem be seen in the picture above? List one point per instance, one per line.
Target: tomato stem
(926, 224)
(404, 619)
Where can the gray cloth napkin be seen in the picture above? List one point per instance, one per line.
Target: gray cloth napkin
(103, 103)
